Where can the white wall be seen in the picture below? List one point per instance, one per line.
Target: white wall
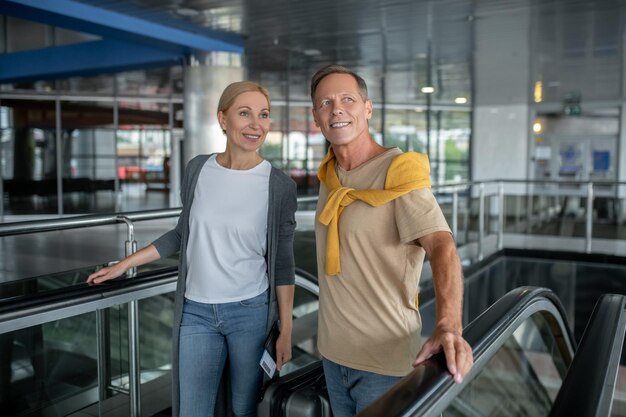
(501, 123)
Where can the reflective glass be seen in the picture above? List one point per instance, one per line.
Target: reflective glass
(50, 368)
(619, 397)
(521, 379)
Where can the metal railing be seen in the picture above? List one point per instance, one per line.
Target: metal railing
(468, 189)
(52, 309)
(130, 245)
(25, 318)
(483, 190)
(474, 189)
(62, 309)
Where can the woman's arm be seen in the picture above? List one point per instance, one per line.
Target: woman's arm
(284, 296)
(141, 257)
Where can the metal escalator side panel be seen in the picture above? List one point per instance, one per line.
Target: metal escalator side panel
(591, 380)
(278, 394)
(429, 389)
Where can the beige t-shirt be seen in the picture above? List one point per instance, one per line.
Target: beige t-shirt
(368, 312)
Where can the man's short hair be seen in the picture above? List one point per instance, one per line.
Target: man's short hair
(337, 69)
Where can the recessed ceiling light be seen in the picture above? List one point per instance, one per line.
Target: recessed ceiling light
(312, 52)
(460, 100)
(428, 90)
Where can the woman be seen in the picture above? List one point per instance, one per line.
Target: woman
(236, 268)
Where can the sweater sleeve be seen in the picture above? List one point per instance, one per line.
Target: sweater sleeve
(169, 243)
(285, 263)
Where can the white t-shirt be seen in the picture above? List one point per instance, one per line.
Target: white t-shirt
(228, 234)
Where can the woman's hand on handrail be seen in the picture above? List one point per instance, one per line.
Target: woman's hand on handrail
(144, 256)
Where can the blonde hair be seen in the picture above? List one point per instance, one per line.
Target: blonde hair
(231, 92)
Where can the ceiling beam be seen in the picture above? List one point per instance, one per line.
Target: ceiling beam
(80, 17)
(87, 58)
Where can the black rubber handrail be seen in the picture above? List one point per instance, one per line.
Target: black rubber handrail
(72, 297)
(427, 385)
(82, 292)
(590, 381)
(15, 307)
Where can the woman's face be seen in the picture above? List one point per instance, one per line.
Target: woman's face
(247, 121)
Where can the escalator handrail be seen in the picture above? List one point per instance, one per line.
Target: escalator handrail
(67, 302)
(23, 312)
(426, 387)
(590, 381)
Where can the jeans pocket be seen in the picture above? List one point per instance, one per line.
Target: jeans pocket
(260, 300)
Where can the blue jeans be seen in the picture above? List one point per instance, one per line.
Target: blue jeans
(209, 335)
(351, 390)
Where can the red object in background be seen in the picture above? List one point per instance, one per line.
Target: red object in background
(131, 173)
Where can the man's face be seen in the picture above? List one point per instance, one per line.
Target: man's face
(340, 111)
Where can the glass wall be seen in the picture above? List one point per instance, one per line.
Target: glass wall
(444, 135)
(449, 145)
(29, 158)
(114, 151)
(109, 155)
(297, 145)
(88, 156)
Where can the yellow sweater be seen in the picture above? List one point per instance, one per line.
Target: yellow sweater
(407, 172)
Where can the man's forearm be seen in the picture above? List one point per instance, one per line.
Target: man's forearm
(448, 282)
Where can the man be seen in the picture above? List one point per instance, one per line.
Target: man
(376, 219)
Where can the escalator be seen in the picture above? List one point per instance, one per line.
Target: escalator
(599, 362)
(523, 347)
(525, 365)
(65, 346)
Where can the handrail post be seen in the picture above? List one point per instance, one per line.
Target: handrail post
(130, 244)
(134, 369)
(529, 203)
(500, 215)
(455, 213)
(589, 223)
(1, 187)
(102, 343)
(481, 220)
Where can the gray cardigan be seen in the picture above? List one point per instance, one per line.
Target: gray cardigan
(280, 261)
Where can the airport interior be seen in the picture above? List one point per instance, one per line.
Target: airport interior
(520, 106)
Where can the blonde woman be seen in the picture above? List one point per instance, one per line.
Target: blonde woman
(236, 268)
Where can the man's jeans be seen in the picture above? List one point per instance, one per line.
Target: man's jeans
(210, 334)
(351, 390)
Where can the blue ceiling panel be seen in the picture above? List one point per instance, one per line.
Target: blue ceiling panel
(108, 24)
(128, 42)
(83, 59)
